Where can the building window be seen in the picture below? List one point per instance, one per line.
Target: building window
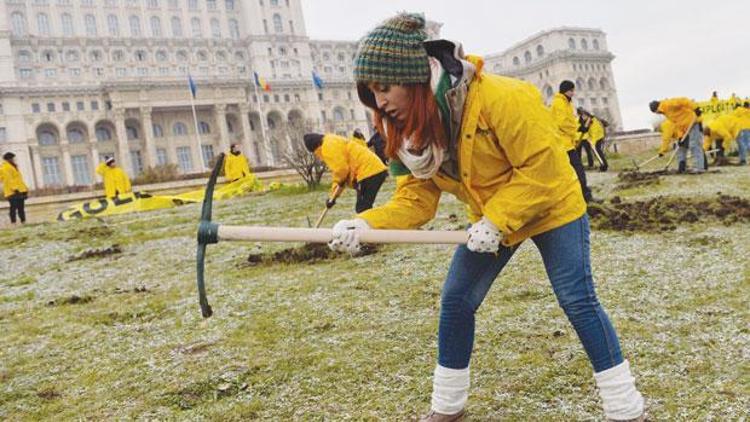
(66, 107)
(155, 26)
(229, 4)
(157, 130)
(35, 108)
(79, 105)
(215, 28)
(595, 43)
(193, 4)
(95, 105)
(136, 161)
(140, 55)
(527, 57)
(75, 135)
(604, 84)
(291, 27)
(25, 73)
(195, 26)
(571, 43)
(3, 135)
(153, 4)
(50, 73)
(179, 129)
(90, 24)
(51, 107)
(135, 26)
(47, 138)
(42, 23)
(516, 61)
(323, 116)
(132, 133)
(204, 128)
(184, 159)
(278, 27)
(18, 24)
(539, 51)
(103, 134)
(67, 25)
(81, 170)
(121, 71)
(51, 171)
(176, 27)
(265, 26)
(211, 4)
(113, 24)
(605, 101)
(208, 153)
(584, 44)
(161, 157)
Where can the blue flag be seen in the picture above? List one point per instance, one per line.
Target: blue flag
(192, 86)
(317, 81)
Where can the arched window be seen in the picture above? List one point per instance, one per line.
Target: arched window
(584, 44)
(18, 24)
(140, 56)
(90, 24)
(202, 56)
(158, 131)
(24, 56)
(234, 29)
(47, 137)
(338, 114)
(161, 56)
(132, 132)
(215, 28)
(195, 27)
(592, 84)
(527, 57)
(135, 26)
(595, 43)
(539, 50)
(48, 56)
(72, 56)
(155, 26)
(95, 56)
(75, 136)
(571, 43)
(103, 134)
(580, 84)
(182, 56)
(179, 129)
(516, 61)
(278, 26)
(274, 3)
(42, 23)
(176, 27)
(67, 25)
(604, 84)
(113, 25)
(204, 128)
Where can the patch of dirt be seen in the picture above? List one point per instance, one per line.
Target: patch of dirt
(48, 394)
(96, 231)
(637, 179)
(96, 253)
(71, 300)
(665, 214)
(310, 252)
(139, 289)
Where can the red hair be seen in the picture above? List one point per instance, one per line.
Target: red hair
(422, 126)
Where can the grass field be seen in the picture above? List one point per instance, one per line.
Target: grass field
(100, 320)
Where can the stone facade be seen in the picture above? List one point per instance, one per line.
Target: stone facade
(84, 79)
(576, 54)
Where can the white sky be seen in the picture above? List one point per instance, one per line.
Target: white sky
(663, 48)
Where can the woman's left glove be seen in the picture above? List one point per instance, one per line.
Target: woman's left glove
(346, 236)
(484, 237)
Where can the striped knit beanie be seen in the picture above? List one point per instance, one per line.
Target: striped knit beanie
(393, 53)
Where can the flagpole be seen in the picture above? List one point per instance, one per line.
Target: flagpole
(197, 130)
(269, 155)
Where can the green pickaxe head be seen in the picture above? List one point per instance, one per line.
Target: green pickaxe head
(208, 233)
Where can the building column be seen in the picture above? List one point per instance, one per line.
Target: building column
(247, 143)
(67, 163)
(220, 115)
(149, 152)
(123, 152)
(36, 161)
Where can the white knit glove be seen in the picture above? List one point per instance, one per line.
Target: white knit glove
(346, 236)
(484, 237)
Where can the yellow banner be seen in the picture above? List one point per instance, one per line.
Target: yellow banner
(715, 108)
(144, 201)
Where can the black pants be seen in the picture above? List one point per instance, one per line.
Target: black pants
(599, 145)
(585, 146)
(17, 207)
(367, 191)
(575, 161)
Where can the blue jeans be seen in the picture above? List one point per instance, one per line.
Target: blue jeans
(694, 142)
(743, 144)
(565, 252)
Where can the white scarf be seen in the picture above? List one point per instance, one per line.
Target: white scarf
(428, 162)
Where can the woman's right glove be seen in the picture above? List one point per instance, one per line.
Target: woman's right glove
(346, 236)
(484, 237)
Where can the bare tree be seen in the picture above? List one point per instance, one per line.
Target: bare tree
(305, 163)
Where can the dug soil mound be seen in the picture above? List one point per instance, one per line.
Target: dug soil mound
(96, 253)
(664, 214)
(310, 252)
(635, 179)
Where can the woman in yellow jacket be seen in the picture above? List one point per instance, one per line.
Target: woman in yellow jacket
(569, 131)
(351, 164)
(489, 141)
(235, 164)
(115, 180)
(14, 189)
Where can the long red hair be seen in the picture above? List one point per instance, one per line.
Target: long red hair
(422, 126)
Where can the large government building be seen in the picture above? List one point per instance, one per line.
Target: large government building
(85, 79)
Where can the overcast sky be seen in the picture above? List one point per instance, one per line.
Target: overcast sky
(663, 48)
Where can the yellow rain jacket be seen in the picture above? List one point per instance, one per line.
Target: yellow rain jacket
(742, 115)
(236, 166)
(681, 111)
(725, 127)
(668, 136)
(596, 130)
(359, 141)
(348, 161)
(11, 179)
(565, 118)
(511, 166)
(115, 180)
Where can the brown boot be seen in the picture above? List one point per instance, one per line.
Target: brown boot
(434, 416)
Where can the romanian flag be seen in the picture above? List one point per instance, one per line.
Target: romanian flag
(261, 83)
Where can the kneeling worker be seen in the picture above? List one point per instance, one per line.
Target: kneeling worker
(235, 164)
(351, 164)
(115, 180)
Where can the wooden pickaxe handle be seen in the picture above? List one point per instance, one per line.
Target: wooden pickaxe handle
(336, 194)
(288, 234)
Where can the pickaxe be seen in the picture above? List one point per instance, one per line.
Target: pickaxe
(674, 153)
(638, 166)
(210, 233)
(329, 204)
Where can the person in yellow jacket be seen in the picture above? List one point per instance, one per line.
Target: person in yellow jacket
(236, 165)
(359, 138)
(668, 137)
(593, 134)
(115, 180)
(720, 132)
(568, 129)
(682, 112)
(14, 189)
(351, 164)
(503, 159)
(742, 116)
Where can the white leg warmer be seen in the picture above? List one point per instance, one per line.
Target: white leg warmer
(450, 390)
(621, 401)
